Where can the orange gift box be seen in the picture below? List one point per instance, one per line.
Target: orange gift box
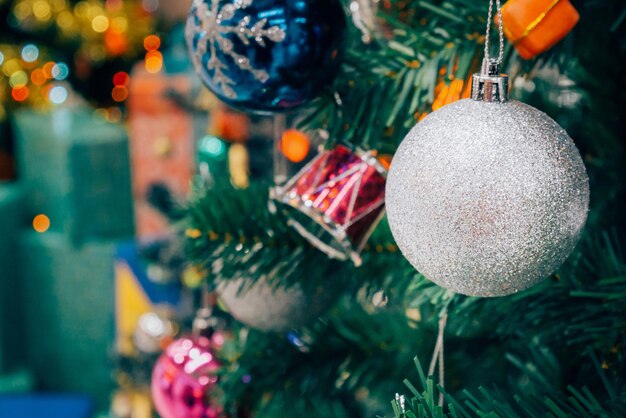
(534, 26)
(161, 143)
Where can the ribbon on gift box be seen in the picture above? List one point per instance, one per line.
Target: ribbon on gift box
(532, 25)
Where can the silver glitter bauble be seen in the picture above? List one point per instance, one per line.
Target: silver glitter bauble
(267, 308)
(487, 199)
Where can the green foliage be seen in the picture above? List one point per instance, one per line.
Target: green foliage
(494, 403)
(554, 350)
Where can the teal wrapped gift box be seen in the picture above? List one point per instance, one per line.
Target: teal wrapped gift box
(76, 170)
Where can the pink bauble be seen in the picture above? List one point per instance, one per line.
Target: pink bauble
(184, 380)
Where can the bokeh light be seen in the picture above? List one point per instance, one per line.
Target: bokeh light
(119, 93)
(119, 24)
(151, 42)
(42, 10)
(18, 79)
(60, 71)
(20, 94)
(41, 223)
(212, 146)
(150, 6)
(11, 66)
(295, 145)
(30, 53)
(58, 95)
(65, 20)
(38, 77)
(121, 79)
(154, 61)
(47, 69)
(100, 23)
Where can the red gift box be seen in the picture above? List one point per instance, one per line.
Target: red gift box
(161, 142)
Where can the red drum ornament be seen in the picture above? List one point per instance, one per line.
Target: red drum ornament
(336, 201)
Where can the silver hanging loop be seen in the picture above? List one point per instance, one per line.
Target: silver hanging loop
(205, 323)
(488, 58)
(490, 85)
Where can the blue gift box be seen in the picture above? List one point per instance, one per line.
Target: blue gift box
(48, 406)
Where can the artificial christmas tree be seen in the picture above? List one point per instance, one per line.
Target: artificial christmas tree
(502, 356)
(386, 341)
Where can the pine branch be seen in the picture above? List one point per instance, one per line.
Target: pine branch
(493, 403)
(241, 238)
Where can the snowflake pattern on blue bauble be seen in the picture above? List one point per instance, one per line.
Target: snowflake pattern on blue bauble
(210, 24)
(266, 56)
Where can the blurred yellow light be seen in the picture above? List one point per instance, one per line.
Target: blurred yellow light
(100, 114)
(94, 10)
(81, 8)
(100, 23)
(41, 10)
(119, 24)
(59, 5)
(18, 79)
(41, 223)
(22, 10)
(114, 114)
(11, 66)
(65, 19)
(154, 61)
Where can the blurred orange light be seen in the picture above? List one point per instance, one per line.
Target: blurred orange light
(47, 69)
(154, 61)
(121, 79)
(115, 42)
(41, 223)
(20, 93)
(295, 145)
(119, 93)
(38, 77)
(385, 161)
(151, 42)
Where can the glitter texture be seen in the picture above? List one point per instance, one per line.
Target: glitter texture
(487, 199)
(266, 308)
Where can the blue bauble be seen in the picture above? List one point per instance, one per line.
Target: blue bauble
(266, 55)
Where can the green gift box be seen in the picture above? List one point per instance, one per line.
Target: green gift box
(11, 204)
(68, 313)
(77, 172)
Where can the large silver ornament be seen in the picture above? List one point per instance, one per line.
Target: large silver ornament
(487, 197)
(269, 308)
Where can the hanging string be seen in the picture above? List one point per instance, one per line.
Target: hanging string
(437, 357)
(280, 162)
(500, 32)
(202, 320)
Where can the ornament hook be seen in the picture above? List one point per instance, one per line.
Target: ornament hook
(489, 85)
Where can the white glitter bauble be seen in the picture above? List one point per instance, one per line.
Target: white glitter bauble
(266, 308)
(487, 199)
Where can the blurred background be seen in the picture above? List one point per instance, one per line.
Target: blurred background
(103, 125)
